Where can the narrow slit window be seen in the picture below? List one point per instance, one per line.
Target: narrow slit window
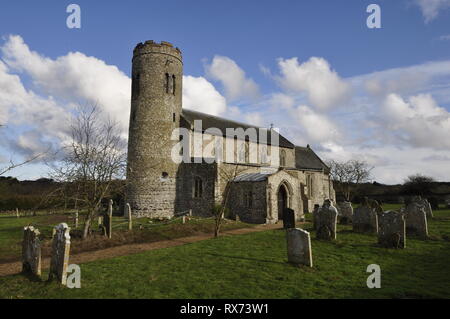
(167, 82)
(173, 84)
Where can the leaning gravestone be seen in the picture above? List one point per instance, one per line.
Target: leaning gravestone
(31, 251)
(299, 247)
(60, 253)
(345, 210)
(315, 215)
(416, 220)
(365, 219)
(326, 221)
(288, 218)
(392, 231)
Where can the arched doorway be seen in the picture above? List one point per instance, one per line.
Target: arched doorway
(283, 198)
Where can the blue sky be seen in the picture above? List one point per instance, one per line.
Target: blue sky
(258, 40)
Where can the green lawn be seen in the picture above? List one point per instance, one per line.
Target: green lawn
(255, 266)
(144, 230)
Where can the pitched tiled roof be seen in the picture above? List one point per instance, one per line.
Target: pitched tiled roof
(305, 158)
(210, 121)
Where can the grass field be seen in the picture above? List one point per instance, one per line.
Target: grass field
(255, 266)
(11, 232)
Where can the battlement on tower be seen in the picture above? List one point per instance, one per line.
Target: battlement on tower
(151, 46)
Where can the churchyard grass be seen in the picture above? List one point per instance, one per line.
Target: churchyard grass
(11, 232)
(255, 266)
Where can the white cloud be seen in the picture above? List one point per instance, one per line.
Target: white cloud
(431, 8)
(444, 37)
(232, 77)
(418, 121)
(200, 95)
(323, 86)
(74, 77)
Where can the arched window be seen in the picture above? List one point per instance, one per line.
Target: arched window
(198, 187)
(283, 158)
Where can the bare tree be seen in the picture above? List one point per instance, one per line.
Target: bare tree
(226, 176)
(348, 175)
(91, 162)
(418, 184)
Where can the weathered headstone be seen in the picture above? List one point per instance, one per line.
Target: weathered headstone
(183, 219)
(392, 230)
(345, 211)
(129, 216)
(299, 247)
(365, 219)
(60, 253)
(238, 219)
(424, 203)
(326, 221)
(31, 251)
(17, 213)
(107, 225)
(288, 218)
(315, 215)
(416, 220)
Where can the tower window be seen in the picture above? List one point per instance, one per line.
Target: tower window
(174, 117)
(198, 187)
(173, 84)
(167, 82)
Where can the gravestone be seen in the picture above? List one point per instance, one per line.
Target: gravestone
(129, 217)
(392, 230)
(288, 218)
(31, 251)
(107, 225)
(424, 203)
(17, 213)
(326, 221)
(60, 253)
(365, 219)
(345, 211)
(416, 220)
(299, 247)
(315, 215)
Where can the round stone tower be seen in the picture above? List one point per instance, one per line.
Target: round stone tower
(157, 73)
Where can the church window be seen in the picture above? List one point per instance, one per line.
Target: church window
(174, 117)
(198, 187)
(248, 199)
(283, 158)
(247, 152)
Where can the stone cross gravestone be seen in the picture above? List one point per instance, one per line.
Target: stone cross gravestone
(299, 247)
(60, 253)
(392, 230)
(31, 251)
(345, 211)
(315, 215)
(416, 220)
(288, 218)
(326, 221)
(365, 219)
